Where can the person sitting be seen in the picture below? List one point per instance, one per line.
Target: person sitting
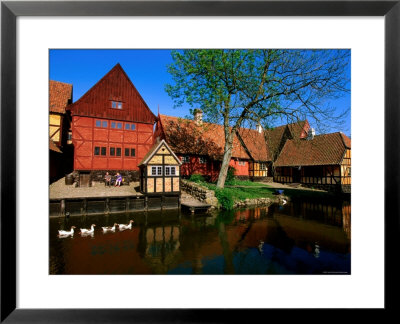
(118, 180)
(107, 179)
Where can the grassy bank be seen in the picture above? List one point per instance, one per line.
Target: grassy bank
(238, 190)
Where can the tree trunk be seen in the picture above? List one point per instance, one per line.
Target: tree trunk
(225, 161)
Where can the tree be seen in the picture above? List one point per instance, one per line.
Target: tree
(245, 87)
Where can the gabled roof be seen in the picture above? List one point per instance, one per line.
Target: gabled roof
(185, 137)
(114, 86)
(326, 149)
(255, 144)
(60, 95)
(275, 137)
(154, 150)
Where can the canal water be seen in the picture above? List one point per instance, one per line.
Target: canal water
(297, 238)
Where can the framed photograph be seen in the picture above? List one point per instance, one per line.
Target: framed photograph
(37, 285)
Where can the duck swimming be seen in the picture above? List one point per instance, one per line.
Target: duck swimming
(109, 228)
(86, 231)
(62, 233)
(124, 226)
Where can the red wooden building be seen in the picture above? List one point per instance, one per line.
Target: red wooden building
(112, 126)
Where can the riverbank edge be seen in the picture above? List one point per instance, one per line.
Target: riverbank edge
(206, 195)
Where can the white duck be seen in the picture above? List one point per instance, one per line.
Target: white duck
(62, 233)
(86, 231)
(109, 228)
(124, 226)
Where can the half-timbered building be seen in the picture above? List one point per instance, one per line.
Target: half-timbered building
(200, 146)
(60, 96)
(322, 161)
(112, 127)
(159, 171)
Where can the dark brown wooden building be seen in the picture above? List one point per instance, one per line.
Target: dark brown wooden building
(321, 162)
(160, 171)
(112, 126)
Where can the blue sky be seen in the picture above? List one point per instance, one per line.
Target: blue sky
(147, 69)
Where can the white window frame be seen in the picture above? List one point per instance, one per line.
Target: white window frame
(168, 171)
(185, 159)
(202, 160)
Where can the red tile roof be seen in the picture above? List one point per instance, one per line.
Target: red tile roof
(184, 136)
(275, 136)
(255, 144)
(60, 95)
(327, 149)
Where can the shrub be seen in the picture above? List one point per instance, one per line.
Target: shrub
(196, 178)
(230, 176)
(224, 198)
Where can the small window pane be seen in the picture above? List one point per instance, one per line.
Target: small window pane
(126, 152)
(153, 170)
(97, 150)
(132, 152)
(118, 151)
(105, 124)
(119, 125)
(172, 170)
(159, 170)
(127, 126)
(103, 151)
(112, 151)
(133, 126)
(114, 104)
(98, 123)
(119, 105)
(166, 171)
(112, 124)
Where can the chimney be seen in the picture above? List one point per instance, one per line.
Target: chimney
(198, 117)
(259, 128)
(311, 134)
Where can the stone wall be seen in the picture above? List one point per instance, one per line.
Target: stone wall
(199, 192)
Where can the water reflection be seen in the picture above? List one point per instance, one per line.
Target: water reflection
(297, 238)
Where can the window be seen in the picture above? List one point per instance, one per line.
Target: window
(96, 150)
(133, 152)
(119, 125)
(104, 124)
(130, 126)
(153, 170)
(169, 170)
(126, 152)
(118, 151)
(112, 124)
(69, 136)
(103, 151)
(263, 166)
(159, 170)
(156, 170)
(349, 171)
(98, 123)
(241, 162)
(112, 151)
(202, 159)
(116, 104)
(185, 159)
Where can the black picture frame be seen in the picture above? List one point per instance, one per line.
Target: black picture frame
(10, 10)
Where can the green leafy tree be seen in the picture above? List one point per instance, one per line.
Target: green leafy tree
(243, 87)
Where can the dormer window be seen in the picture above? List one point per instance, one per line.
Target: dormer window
(116, 104)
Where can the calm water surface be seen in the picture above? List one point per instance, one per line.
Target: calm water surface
(298, 238)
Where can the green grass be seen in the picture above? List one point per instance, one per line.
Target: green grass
(238, 190)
